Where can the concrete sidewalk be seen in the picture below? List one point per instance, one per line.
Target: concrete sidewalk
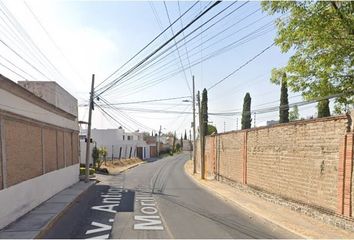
(295, 222)
(36, 222)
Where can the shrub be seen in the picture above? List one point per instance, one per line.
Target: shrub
(91, 171)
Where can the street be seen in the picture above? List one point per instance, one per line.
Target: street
(158, 200)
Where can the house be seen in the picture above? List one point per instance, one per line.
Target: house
(119, 143)
(39, 139)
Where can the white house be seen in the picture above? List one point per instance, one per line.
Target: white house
(119, 144)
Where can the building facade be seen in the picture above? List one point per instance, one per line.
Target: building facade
(119, 144)
(39, 145)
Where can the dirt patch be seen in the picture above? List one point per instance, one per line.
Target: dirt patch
(117, 166)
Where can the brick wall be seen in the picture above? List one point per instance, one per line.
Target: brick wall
(298, 161)
(33, 148)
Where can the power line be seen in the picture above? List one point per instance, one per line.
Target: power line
(187, 36)
(242, 66)
(51, 38)
(32, 45)
(146, 46)
(159, 48)
(177, 48)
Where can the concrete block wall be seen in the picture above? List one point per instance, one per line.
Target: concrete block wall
(306, 161)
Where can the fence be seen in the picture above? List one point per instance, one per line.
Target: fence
(307, 161)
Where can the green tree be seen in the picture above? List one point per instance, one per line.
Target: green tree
(294, 113)
(185, 134)
(205, 111)
(284, 102)
(103, 153)
(178, 147)
(174, 143)
(246, 112)
(181, 142)
(323, 109)
(321, 35)
(95, 155)
(212, 129)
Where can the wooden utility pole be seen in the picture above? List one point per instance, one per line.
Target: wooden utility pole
(201, 137)
(194, 152)
(89, 131)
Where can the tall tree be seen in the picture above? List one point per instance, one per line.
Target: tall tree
(321, 35)
(181, 142)
(323, 109)
(284, 102)
(205, 110)
(185, 134)
(246, 112)
(174, 142)
(294, 114)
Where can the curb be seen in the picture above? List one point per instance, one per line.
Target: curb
(235, 203)
(52, 221)
(130, 167)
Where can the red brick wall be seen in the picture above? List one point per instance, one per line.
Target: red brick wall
(75, 141)
(32, 148)
(298, 160)
(68, 149)
(50, 149)
(23, 151)
(60, 149)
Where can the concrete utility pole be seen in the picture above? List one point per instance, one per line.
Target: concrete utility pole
(112, 154)
(89, 131)
(201, 137)
(254, 122)
(158, 143)
(194, 152)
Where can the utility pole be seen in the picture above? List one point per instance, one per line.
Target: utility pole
(190, 142)
(112, 154)
(89, 131)
(194, 152)
(158, 143)
(201, 137)
(254, 122)
(236, 123)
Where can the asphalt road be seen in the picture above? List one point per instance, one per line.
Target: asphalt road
(158, 200)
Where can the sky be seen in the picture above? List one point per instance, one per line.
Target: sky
(68, 41)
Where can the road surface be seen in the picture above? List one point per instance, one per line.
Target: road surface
(158, 200)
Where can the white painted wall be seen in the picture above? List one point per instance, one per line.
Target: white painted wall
(83, 152)
(12, 103)
(53, 93)
(112, 140)
(19, 199)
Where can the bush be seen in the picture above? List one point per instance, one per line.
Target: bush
(91, 171)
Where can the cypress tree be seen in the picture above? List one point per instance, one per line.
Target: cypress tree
(284, 102)
(174, 143)
(185, 134)
(323, 108)
(246, 112)
(205, 111)
(181, 142)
